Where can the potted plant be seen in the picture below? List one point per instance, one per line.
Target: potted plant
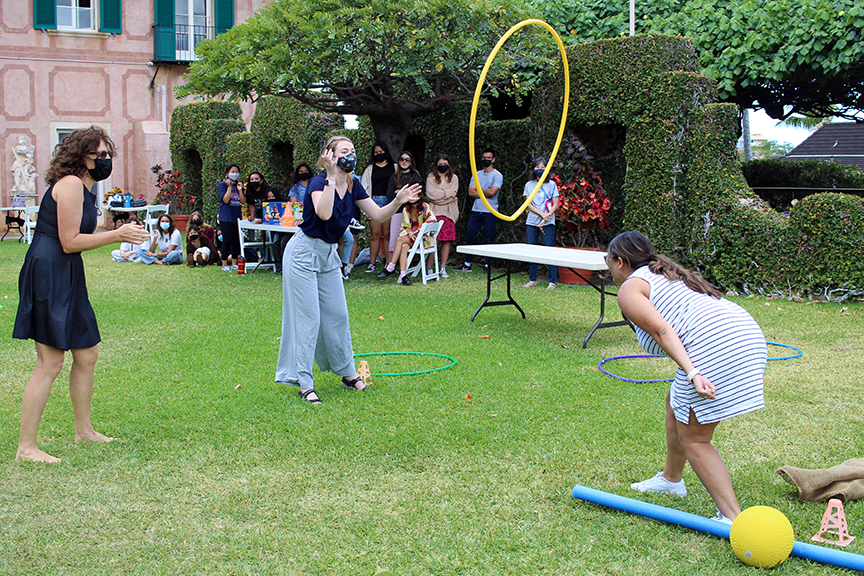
(170, 185)
(584, 204)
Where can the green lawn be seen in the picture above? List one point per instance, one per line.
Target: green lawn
(220, 470)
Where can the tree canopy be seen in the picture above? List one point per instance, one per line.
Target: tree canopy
(387, 59)
(788, 57)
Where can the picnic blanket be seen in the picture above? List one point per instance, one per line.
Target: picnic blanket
(844, 481)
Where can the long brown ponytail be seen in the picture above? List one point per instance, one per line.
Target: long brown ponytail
(637, 251)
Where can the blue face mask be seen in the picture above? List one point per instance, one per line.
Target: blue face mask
(347, 162)
(165, 225)
(220, 237)
(538, 173)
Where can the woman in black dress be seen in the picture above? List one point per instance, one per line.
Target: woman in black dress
(53, 307)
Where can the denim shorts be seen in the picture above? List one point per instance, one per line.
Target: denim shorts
(381, 201)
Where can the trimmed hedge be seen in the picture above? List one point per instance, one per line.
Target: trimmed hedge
(788, 175)
(199, 138)
(665, 147)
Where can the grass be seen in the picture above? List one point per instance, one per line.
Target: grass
(220, 470)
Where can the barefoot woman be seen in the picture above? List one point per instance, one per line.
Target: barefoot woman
(53, 307)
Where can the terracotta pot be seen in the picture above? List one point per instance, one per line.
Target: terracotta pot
(181, 221)
(565, 276)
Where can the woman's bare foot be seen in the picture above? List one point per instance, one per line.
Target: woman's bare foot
(157, 261)
(93, 437)
(35, 455)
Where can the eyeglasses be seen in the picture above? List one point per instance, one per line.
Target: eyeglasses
(104, 154)
(404, 159)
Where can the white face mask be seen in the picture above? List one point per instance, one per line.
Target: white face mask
(234, 175)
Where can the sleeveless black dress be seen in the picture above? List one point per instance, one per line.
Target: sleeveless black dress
(53, 307)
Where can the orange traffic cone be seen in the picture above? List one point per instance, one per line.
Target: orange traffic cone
(834, 523)
(364, 373)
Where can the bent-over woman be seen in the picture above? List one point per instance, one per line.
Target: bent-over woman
(315, 324)
(720, 352)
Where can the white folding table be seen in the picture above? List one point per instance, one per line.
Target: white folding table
(268, 243)
(550, 256)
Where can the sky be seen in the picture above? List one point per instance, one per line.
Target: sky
(761, 123)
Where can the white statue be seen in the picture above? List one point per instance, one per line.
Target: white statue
(22, 168)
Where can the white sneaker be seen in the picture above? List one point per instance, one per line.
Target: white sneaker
(429, 272)
(721, 518)
(234, 267)
(226, 268)
(355, 225)
(660, 484)
(371, 268)
(443, 273)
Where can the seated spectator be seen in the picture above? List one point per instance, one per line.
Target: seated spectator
(127, 253)
(414, 215)
(167, 244)
(199, 250)
(197, 219)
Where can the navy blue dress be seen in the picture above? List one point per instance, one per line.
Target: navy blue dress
(53, 307)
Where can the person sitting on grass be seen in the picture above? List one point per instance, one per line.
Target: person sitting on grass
(127, 253)
(166, 246)
(414, 215)
(199, 250)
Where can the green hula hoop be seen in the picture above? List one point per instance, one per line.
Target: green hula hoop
(452, 362)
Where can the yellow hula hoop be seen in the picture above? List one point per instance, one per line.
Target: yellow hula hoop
(479, 90)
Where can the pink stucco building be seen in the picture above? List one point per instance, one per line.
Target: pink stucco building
(66, 64)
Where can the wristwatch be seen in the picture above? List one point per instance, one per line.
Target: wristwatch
(331, 183)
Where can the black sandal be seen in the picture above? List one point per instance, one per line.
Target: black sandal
(305, 396)
(353, 382)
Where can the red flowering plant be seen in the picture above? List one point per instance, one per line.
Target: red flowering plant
(584, 204)
(170, 185)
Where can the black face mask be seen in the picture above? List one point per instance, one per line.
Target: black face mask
(253, 186)
(101, 170)
(303, 176)
(193, 238)
(380, 157)
(443, 168)
(196, 222)
(485, 162)
(347, 163)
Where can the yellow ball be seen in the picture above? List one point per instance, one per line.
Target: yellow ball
(762, 536)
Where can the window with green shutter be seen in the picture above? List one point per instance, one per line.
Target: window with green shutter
(223, 15)
(111, 16)
(44, 14)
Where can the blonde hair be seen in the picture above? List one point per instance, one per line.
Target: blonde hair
(331, 145)
(636, 250)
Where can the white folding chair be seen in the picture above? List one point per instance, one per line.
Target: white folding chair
(419, 249)
(29, 224)
(150, 221)
(264, 245)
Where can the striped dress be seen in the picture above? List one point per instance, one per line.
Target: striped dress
(723, 342)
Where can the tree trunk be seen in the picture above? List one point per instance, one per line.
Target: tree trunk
(392, 128)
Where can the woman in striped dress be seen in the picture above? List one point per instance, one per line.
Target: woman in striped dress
(720, 352)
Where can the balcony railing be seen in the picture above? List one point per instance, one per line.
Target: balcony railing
(176, 43)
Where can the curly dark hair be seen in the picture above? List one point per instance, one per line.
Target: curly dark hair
(69, 154)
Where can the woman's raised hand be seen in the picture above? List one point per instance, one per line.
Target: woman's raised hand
(328, 159)
(409, 193)
(133, 233)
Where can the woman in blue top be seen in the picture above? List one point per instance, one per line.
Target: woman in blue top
(301, 180)
(231, 200)
(541, 219)
(314, 311)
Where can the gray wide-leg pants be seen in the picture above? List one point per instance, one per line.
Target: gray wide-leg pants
(314, 313)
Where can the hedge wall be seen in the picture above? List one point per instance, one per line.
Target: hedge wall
(199, 138)
(666, 149)
(779, 182)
